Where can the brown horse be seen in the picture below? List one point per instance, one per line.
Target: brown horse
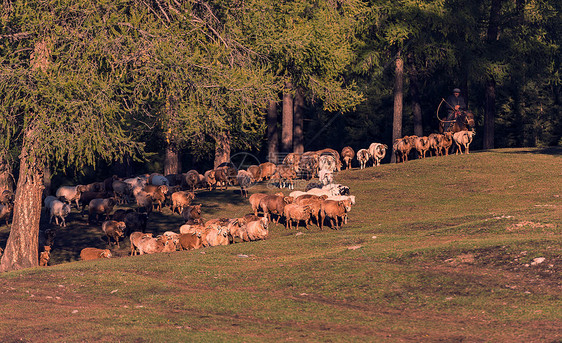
(463, 121)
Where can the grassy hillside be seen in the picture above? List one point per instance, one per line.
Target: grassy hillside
(440, 249)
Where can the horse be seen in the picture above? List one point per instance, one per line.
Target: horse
(463, 121)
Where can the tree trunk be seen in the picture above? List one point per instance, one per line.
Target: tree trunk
(222, 148)
(287, 122)
(489, 114)
(298, 133)
(172, 162)
(490, 106)
(272, 132)
(21, 249)
(416, 106)
(398, 102)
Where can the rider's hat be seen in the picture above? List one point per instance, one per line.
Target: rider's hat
(456, 90)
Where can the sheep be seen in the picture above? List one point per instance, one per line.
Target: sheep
(237, 229)
(256, 173)
(108, 183)
(347, 154)
(286, 175)
(135, 222)
(308, 165)
(255, 201)
(214, 235)
(435, 143)
(210, 179)
(192, 179)
(122, 190)
(180, 200)
(191, 212)
(363, 157)
(191, 228)
(174, 179)
(100, 206)
(297, 213)
(157, 194)
(327, 162)
(267, 169)
(94, 187)
(244, 181)
(421, 144)
(173, 237)
(334, 210)
(69, 194)
(135, 238)
(348, 200)
(190, 241)
(274, 204)
(402, 147)
(58, 209)
(88, 196)
(113, 229)
(257, 229)
(325, 176)
(48, 201)
(292, 160)
(6, 197)
(329, 190)
(149, 245)
(334, 154)
(463, 138)
(296, 194)
(226, 174)
(447, 142)
(46, 237)
(6, 212)
(314, 203)
(45, 256)
(158, 180)
(377, 151)
(144, 202)
(94, 253)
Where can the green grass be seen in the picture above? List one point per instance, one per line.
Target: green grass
(446, 246)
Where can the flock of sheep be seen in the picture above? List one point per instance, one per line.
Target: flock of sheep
(322, 203)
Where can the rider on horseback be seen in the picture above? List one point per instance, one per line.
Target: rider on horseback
(456, 105)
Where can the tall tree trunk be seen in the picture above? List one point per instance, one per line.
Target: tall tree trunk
(287, 122)
(416, 106)
(489, 114)
(172, 161)
(22, 246)
(272, 132)
(490, 107)
(298, 130)
(398, 102)
(222, 148)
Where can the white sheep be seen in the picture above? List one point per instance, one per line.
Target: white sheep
(69, 194)
(58, 209)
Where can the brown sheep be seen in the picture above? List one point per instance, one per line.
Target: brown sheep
(97, 207)
(144, 202)
(314, 203)
(191, 212)
(308, 165)
(190, 241)
(347, 154)
(6, 197)
(402, 147)
(237, 229)
(274, 204)
(267, 169)
(45, 256)
(287, 175)
(88, 196)
(363, 157)
(149, 245)
(292, 160)
(421, 144)
(210, 179)
(255, 201)
(447, 142)
(192, 179)
(256, 173)
(180, 200)
(214, 235)
(257, 229)
(94, 253)
(222, 178)
(191, 228)
(135, 238)
(297, 213)
(435, 144)
(335, 210)
(113, 229)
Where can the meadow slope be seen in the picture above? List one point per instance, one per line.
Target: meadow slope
(440, 249)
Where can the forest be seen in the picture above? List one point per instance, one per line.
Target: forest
(95, 88)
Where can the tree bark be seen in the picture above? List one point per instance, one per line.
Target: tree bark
(22, 246)
(298, 129)
(287, 122)
(398, 102)
(489, 114)
(272, 132)
(172, 161)
(222, 148)
(416, 106)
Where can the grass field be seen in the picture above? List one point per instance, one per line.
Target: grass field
(441, 249)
